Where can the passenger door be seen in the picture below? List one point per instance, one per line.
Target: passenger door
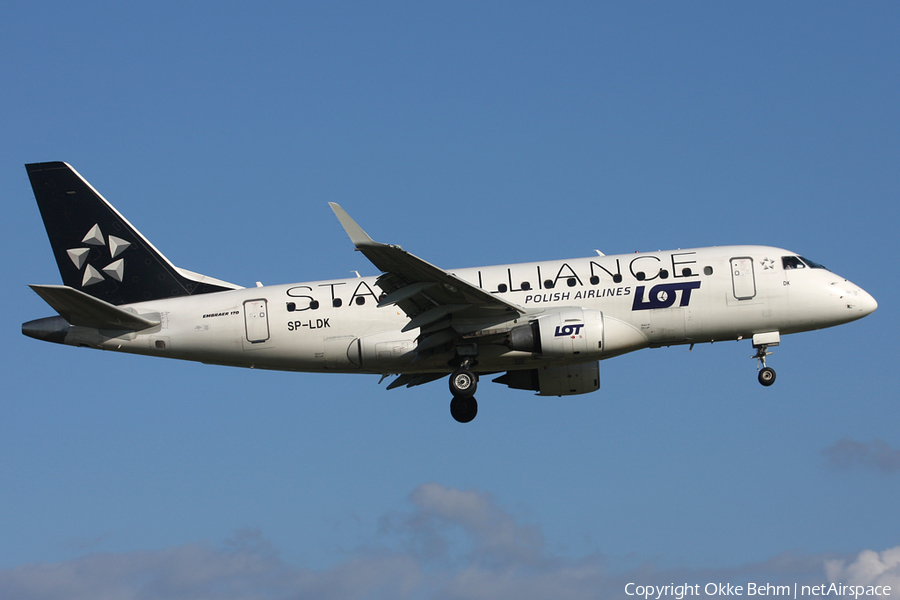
(743, 281)
(256, 321)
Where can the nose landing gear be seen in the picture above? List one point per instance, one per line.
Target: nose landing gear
(766, 374)
(762, 341)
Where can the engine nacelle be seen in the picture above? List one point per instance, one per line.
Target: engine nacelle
(564, 334)
(556, 381)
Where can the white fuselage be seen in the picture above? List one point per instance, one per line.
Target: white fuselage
(647, 300)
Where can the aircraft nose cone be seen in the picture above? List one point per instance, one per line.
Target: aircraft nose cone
(850, 302)
(866, 302)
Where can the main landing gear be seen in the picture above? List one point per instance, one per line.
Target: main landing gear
(766, 374)
(463, 409)
(463, 384)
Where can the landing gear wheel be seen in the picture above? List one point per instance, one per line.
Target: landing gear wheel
(463, 409)
(766, 374)
(463, 383)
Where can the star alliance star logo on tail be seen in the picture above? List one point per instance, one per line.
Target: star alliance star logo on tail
(114, 270)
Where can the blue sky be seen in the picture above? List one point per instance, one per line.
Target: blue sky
(472, 134)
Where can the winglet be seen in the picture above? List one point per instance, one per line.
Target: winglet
(356, 233)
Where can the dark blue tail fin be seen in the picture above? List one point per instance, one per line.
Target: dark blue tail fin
(98, 251)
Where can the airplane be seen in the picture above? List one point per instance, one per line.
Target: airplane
(541, 326)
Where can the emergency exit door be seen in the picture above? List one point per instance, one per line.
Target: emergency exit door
(742, 279)
(256, 321)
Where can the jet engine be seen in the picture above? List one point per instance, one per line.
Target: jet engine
(576, 333)
(564, 334)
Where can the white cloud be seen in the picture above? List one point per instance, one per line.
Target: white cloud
(869, 568)
(450, 544)
(440, 513)
(847, 453)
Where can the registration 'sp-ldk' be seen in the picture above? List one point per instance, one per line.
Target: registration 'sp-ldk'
(540, 326)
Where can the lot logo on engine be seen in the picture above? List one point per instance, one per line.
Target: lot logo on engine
(566, 330)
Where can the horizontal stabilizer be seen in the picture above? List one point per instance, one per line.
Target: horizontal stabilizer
(83, 310)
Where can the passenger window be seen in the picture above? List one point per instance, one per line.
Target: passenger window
(502, 288)
(525, 286)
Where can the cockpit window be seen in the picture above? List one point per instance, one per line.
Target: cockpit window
(798, 262)
(812, 265)
(792, 262)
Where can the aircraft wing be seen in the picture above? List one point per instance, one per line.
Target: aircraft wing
(430, 296)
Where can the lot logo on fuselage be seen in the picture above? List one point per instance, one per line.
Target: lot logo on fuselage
(663, 295)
